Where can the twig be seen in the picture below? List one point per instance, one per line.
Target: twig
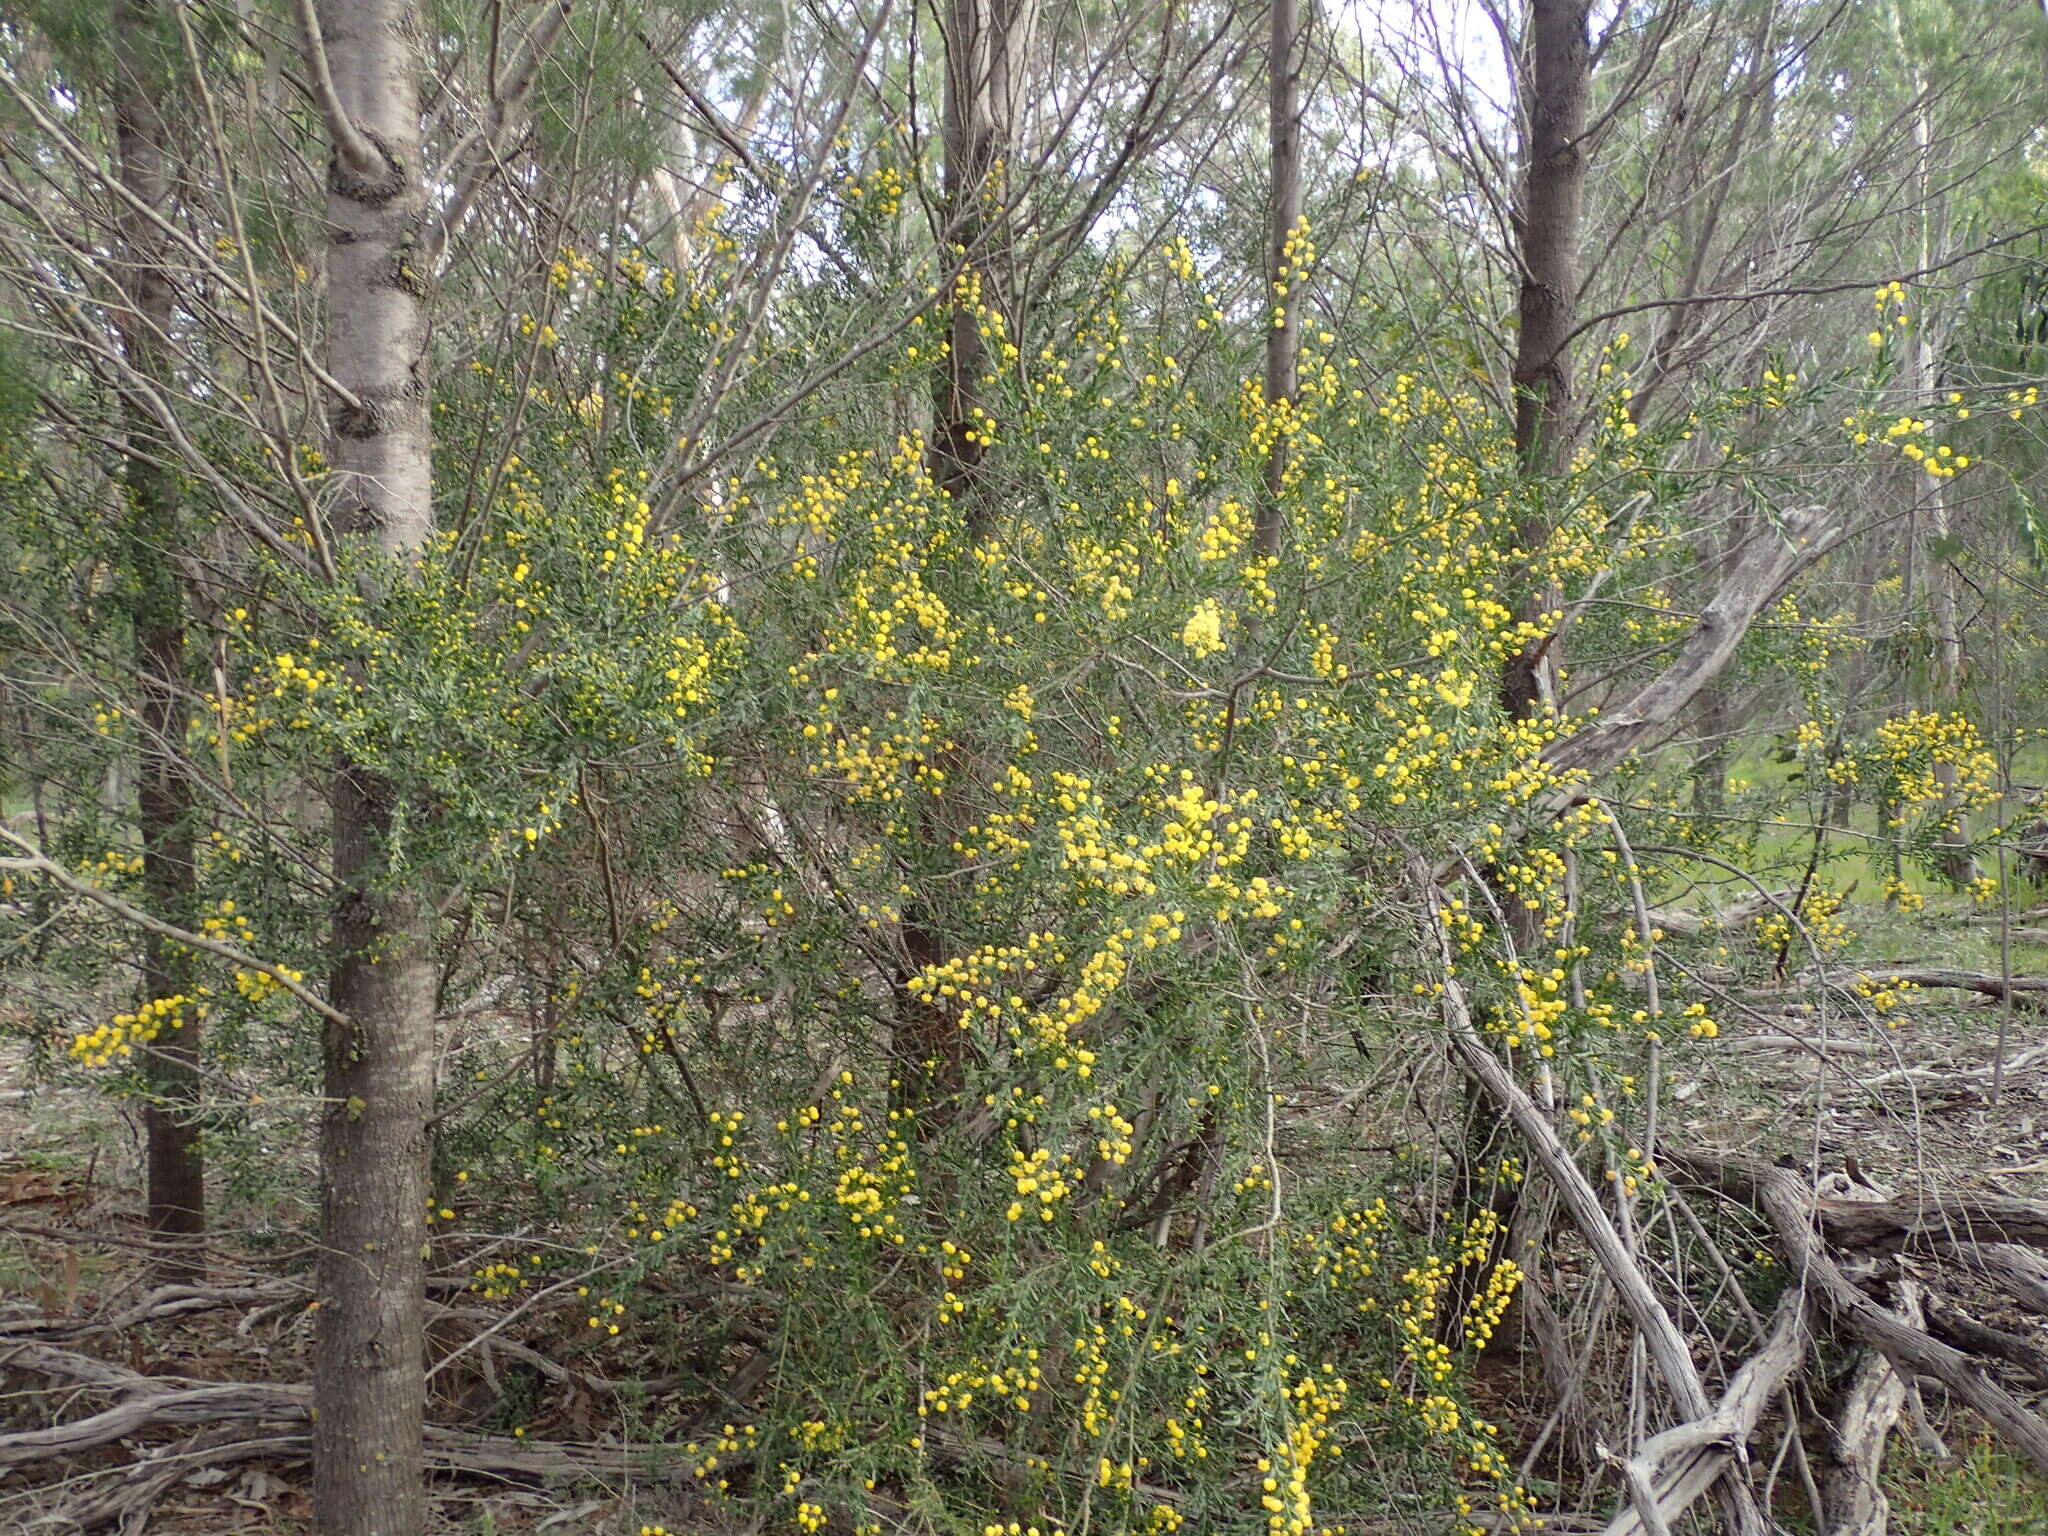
(35, 863)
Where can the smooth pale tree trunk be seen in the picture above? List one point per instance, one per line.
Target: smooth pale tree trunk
(1945, 676)
(368, 1371)
(1946, 672)
(164, 791)
(1286, 257)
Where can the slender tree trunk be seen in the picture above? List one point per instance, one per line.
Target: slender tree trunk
(1287, 259)
(1546, 227)
(1715, 723)
(368, 1372)
(1945, 676)
(165, 808)
(986, 42)
(1547, 240)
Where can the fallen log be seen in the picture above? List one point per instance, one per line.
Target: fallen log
(1950, 1322)
(160, 1305)
(1985, 983)
(2022, 1272)
(153, 1401)
(1785, 1201)
(1853, 1501)
(1928, 1221)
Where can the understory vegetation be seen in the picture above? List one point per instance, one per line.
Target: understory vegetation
(1023, 770)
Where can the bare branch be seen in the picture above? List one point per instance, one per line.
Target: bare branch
(354, 146)
(33, 862)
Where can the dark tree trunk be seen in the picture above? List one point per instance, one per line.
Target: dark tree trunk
(1558, 57)
(986, 44)
(1547, 251)
(1287, 257)
(165, 809)
(369, 1381)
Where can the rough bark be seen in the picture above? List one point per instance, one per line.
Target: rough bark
(1546, 229)
(369, 1384)
(1283, 334)
(164, 797)
(986, 43)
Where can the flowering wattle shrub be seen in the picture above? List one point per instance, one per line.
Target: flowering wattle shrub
(943, 974)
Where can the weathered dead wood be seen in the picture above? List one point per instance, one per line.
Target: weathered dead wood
(1925, 1221)
(1690, 925)
(1744, 1044)
(1949, 1322)
(1581, 1201)
(1675, 1467)
(209, 1404)
(2020, 1272)
(1852, 1499)
(283, 1411)
(1666, 1346)
(125, 1497)
(1770, 561)
(1986, 983)
(160, 1305)
(1786, 1202)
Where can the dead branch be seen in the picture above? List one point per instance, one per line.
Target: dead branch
(1923, 1221)
(1769, 563)
(1852, 1501)
(160, 1305)
(151, 1401)
(1665, 1345)
(1691, 925)
(2020, 1272)
(1675, 1467)
(1951, 1323)
(1789, 1205)
(1989, 984)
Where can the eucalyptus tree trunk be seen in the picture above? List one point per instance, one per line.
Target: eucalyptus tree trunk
(165, 804)
(368, 1369)
(986, 46)
(1546, 228)
(1945, 676)
(1557, 66)
(1932, 513)
(1287, 255)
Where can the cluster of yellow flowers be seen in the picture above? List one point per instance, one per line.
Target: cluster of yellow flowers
(121, 1035)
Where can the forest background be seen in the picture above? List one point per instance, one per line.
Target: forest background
(1023, 768)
